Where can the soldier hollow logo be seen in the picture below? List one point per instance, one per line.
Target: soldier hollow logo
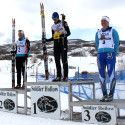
(9, 104)
(103, 117)
(47, 104)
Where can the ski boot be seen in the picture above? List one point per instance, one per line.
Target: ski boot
(65, 79)
(109, 98)
(57, 79)
(18, 86)
(23, 86)
(104, 98)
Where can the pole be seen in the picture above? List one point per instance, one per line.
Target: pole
(13, 52)
(45, 56)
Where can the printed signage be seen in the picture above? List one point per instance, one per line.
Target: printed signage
(99, 114)
(8, 101)
(45, 101)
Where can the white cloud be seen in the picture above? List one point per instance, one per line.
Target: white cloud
(80, 14)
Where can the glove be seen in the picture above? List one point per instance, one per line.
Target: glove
(117, 54)
(56, 35)
(43, 39)
(47, 40)
(13, 52)
(26, 56)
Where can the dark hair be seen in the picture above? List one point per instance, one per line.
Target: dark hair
(21, 31)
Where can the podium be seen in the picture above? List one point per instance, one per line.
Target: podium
(44, 98)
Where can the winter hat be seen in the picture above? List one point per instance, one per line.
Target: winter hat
(105, 18)
(55, 15)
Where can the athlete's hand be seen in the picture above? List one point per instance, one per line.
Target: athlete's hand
(26, 56)
(13, 52)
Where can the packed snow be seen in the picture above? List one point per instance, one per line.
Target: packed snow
(83, 63)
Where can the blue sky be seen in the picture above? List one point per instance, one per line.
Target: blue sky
(83, 17)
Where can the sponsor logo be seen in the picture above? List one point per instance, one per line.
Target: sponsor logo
(47, 104)
(103, 117)
(9, 104)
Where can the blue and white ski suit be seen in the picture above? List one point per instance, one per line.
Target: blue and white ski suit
(107, 45)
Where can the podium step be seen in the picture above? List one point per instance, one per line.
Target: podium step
(121, 120)
(21, 91)
(119, 103)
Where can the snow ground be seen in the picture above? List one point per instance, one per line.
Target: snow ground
(84, 64)
(14, 119)
(17, 119)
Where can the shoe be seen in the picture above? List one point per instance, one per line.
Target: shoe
(57, 79)
(104, 98)
(65, 79)
(18, 86)
(23, 86)
(109, 98)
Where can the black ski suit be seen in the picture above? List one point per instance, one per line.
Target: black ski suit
(60, 50)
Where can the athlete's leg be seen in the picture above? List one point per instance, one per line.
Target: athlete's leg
(111, 61)
(101, 61)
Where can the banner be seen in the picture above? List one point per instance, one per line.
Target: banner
(8, 101)
(99, 114)
(45, 101)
